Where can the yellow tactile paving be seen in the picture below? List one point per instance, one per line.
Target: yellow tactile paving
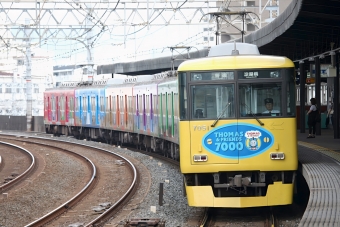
(325, 151)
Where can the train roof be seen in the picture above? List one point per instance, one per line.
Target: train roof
(158, 78)
(233, 49)
(73, 84)
(233, 56)
(142, 79)
(236, 62)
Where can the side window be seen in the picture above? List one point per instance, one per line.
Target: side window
(62, 107)
(113, 103)
(79, 103)
(165, 112)
(93, 105)
(84, 104)
(72, 104)
(102, 103)
(46, 103)
(183, 106)
(160, 111)
(141, 102)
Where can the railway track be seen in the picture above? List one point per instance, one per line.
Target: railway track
(198, 219)
(255, 217)
(96, 212)
(18, 172)
(281, 216)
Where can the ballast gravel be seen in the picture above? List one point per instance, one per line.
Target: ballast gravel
(19, 208)
(174, 209)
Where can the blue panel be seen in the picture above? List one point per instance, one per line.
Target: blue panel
(238, 141)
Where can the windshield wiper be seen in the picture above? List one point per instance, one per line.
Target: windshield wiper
(218, 118)
(258, 120)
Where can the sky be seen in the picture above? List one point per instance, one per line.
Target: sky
(144, 44)
(109, 45)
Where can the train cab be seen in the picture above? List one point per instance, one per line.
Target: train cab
(237, 109)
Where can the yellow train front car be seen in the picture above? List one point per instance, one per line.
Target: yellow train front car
(238, 128)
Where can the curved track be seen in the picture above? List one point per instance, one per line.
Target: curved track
(86, 197)
(15, 177)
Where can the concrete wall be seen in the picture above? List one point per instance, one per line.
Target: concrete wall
(19, 123)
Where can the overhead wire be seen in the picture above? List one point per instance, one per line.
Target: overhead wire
(99, 20)
(156, 18)
(104, 29)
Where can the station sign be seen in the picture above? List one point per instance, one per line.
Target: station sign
(310, 80)
(326, 70)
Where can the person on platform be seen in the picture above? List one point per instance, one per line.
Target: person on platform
(329, 118)
(313, 111)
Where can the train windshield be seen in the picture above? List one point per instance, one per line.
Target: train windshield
(212, 101)
(239, 94)
(272, 97)
(260, 99)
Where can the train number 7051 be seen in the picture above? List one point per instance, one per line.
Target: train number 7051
(201, 127)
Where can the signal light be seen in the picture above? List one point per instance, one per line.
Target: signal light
(277, 156)
(200, 158)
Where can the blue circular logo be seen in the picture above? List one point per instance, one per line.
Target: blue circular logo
(238, 141)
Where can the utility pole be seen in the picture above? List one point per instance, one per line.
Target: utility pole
(28, 78)
(88, 44)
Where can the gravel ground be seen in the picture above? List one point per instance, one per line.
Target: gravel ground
(174, 211)
(19, 208)
(145, 204)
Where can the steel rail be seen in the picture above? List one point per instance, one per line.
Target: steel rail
(105, 215)
(8, 185)
(74, 200)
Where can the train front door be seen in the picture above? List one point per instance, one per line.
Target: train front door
(213, 125)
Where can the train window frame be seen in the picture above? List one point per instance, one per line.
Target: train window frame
(257, 106)
(172, 114)
(205, 108)
(76, 104)
(141, 113)
(183, 95)
(62, 108)
(125, 110)
(46, 104)
(285, 78)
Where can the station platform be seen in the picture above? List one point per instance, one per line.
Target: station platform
(319, 163)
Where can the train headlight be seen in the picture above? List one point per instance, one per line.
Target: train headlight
(200, 158)
(277, 156)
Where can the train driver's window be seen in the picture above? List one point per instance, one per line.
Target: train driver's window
(260, 99)
(212, 101)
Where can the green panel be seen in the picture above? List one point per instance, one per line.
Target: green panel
(172, 116)
(166, 109)
(161, 114)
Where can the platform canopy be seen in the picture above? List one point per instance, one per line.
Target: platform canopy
(306, 28)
